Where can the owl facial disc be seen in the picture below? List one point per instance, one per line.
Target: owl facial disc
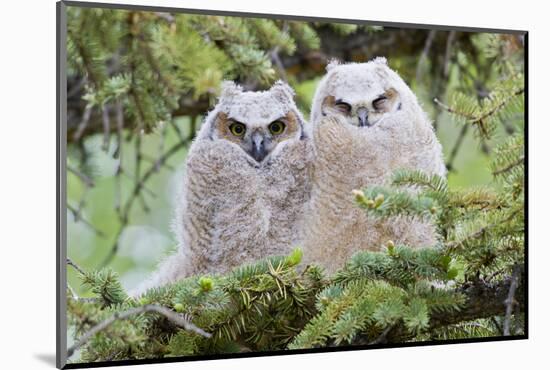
(362, 111)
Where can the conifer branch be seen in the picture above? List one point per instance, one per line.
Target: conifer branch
(520, 161)
(495, 109)
(175, 318)
(479, 119)
(483, 300)
(139, 76)
(452, 245)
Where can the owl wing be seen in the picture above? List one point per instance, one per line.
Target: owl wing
(294, 159)
(216, 172)
(287, 189)
(339, 158)
(331, 137)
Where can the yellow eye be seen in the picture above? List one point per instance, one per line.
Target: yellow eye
(237, 129)
(276, 128)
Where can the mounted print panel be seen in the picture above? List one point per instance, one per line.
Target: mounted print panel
(235, 185)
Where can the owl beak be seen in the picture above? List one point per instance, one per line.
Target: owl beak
(363, 116)
(259, 151)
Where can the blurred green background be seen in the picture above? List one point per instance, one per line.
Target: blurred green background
(159, 73)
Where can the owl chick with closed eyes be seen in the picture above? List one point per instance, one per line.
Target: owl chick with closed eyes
(367, 123)
(245, 185)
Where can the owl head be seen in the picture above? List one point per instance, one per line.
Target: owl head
(363, 94)
(258, 122)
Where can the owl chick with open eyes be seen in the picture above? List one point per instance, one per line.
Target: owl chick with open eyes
(245, 185)
(367, 123)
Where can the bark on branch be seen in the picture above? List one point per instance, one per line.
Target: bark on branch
(174, 317)
(483, 300)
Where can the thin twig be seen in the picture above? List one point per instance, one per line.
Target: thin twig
(448, 46)
(155, 162)
(276, 59)
(81, 205)
(118, 153)
(174, 317)
(163, 130)
(106, 128)
(144, 204)
(452, 110)
(456, 147)
(75, 266)
(453, 244)
(83, 123)
(424, 54)
(87, 180)
(193, 130)
(177, 130)
(73, 292)
(137, 168)
(78, 218)
(481, 117)
(88, 183)
(520, 161)
(140, 184)
(510, 301)
(143, 187)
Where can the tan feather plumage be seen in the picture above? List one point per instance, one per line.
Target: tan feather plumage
(232, 209)
(348, 157)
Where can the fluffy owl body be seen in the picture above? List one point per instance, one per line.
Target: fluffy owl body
(367, 123)
(245, 185)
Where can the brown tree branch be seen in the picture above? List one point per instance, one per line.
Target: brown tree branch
(177, 319)
(483, 300)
